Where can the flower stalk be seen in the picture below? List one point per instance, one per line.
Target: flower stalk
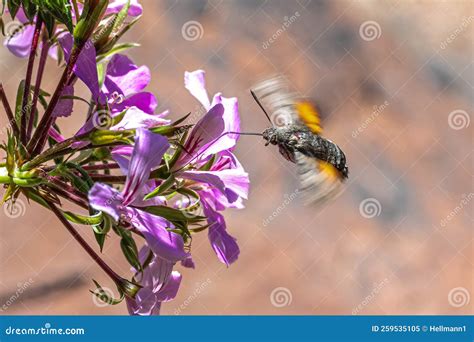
(39, 137)
(75, 234)
(39, 78)
(26, 91)
(9, 112)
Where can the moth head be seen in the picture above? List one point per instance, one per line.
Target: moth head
(270, 135)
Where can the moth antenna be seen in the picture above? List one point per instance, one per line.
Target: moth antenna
(260, 105)
(243, 133)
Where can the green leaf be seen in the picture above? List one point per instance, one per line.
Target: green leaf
(13, 7)
(121, 16)
(119, 48)
(90, 18)
(29, 7)
(174, 215)
(115, 39)
(101, 71)
(177, 122)
(74, 97)
(83, 173)
(101, 231)
(18, 102)
(105, 295)
(34, 196)
(130, 251)
(83, 219)
(208, 165)
(104, 31)
(168, 183)
(59, 9)
(48, 21)
(169, 131)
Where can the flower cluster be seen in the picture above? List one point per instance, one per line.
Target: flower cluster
(130, 170)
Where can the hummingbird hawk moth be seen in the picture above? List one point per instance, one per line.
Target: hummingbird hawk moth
(296, 130)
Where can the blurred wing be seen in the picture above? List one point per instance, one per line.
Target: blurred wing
(276, 97)
(309, 115)
(320, 181)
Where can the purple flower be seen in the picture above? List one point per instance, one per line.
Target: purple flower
(85, 67)
(64, 106)
(116, 5)
(195, 83)
(19, 42)
(147, 154)
(226, 184)
(136, 118)
(209, 135)
(125, 80)
(159, 284)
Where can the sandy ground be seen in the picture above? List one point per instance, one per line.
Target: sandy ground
(412, 160)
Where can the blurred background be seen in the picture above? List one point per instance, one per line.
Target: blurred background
(394, 82)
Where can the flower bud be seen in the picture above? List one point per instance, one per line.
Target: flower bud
(89, 20)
